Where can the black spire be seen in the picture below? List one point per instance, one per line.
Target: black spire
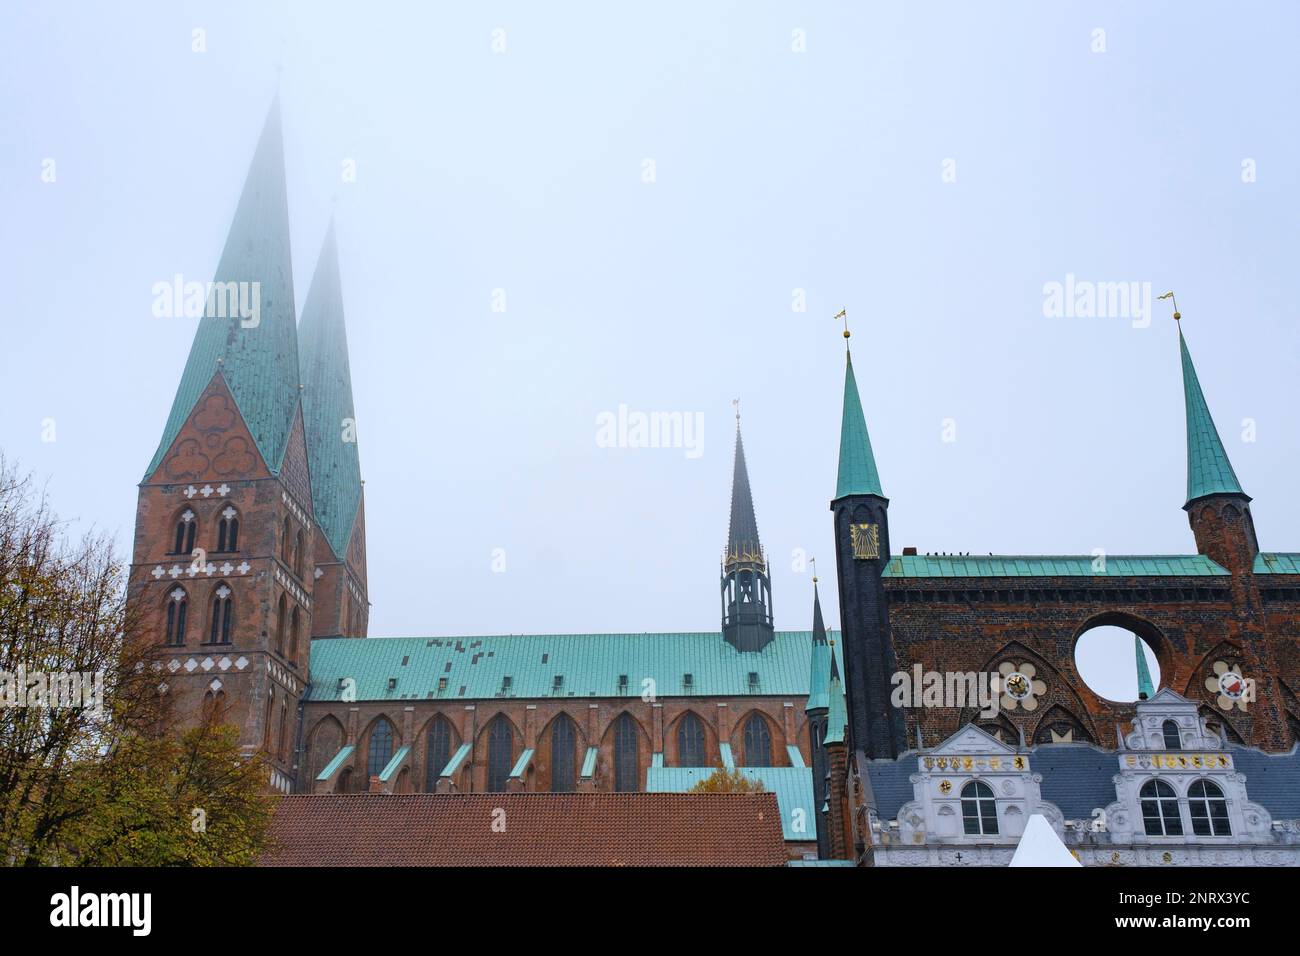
(746, 587)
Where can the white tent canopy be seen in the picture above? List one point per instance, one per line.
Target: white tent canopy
(1040, 846)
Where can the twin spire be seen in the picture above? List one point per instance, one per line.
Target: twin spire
(271, 366)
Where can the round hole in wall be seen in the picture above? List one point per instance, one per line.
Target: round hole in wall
(1107, 662)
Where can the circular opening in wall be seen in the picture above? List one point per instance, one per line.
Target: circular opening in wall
(1107, 661)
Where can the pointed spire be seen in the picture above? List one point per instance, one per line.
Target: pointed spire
(837, 719)
(328, 412)
(820, 664)
(257, 354)
(742, 534)
(1145, 689)
(1208, 470)
(858, 474)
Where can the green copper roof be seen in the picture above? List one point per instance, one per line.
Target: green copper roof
(399, 758)
(327, 403)
(1276, 563)
(1050, 566)
(742, 530)
(592, 665)
(837, 718)
(792, 785)
(335, 763)
(260, 362)
(1145, 688)
(820, 664)
(1208, 470)
(857, 464)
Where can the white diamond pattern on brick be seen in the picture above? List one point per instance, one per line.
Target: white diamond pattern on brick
(173, 665)
(215, 685)
(223, 489)
(191, 664)
(243, 567)
(190, 492)
(206, 490)
(224, 663)
(208, 664)
(158, 572)
(241, 663)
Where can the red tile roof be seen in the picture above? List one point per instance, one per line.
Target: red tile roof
(528, 829)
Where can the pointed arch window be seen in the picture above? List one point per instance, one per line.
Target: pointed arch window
(187, 526)
(1209, 809)
(1160, 816)
(979, 810)
(758, 742)
(223, 613)
(293, 635)
(690, 741)
(500, 754)
(298, 554)
(283, 749)
(178, 610)
(1172, 740)
(285, 556)
(626, 761)
(228, 530)
(439, 752)
(281, 622)
(380, 750)
(563, 779)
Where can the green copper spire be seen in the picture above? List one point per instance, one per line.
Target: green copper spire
(857, 464)
(256, 355)
(820, 666)
(1145, 689)
(1208, 470)
(837, 719)
(328, 413)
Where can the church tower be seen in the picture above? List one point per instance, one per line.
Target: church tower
(1217, 508)
(817, 709)
(861, 510)
(225, 532)
(342, 608)
(746, 586)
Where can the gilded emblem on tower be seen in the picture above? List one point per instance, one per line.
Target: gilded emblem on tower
(866, 541)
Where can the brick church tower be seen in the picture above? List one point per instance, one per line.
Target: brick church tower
(229, 554)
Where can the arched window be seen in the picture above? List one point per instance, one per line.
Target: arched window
(186, 527)
(626, 769)
(1160, 809)
(228, 529)
(223, 611)
(178, 611)
(298, 554)
(1209, 809)
(758, 742)
(381, 748)
(562, 758)
(283, 749)
(281, 622)
(285, 556)
(500, 754)
(690, 741)
(266, 726)
(979, 811)
(439, 751)
(293, 635)
(1172, 740)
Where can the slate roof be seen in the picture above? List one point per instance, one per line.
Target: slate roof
(259, 363)
(1272, 780)
(857, 474)
(590, 665)
(542, 829)
(742, 530)
(1080, 777)
(1050, 566)
(327, 403)
(793, 787)
(1208, 469)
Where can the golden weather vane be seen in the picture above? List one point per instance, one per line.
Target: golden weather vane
(736, 404)
(844, 314)
(813, 562)
(1169, 295)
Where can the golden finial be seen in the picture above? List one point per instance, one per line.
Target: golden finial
(844, 314)
(1169, 295)
(736, 404)
(813, 562)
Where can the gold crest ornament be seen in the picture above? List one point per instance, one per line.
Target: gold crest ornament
(866, 541)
